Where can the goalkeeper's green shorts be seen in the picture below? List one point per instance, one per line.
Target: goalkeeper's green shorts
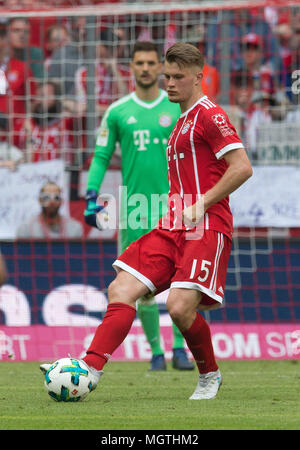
(127, 236)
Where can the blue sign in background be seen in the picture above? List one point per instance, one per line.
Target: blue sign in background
(263, 282)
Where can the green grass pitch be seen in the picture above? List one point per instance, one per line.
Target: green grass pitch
(255, 395)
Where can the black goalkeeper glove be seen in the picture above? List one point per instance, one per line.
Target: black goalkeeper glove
(92, 209)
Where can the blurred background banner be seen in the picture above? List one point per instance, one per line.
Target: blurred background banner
(231, 342)
(269, 199)
(20, 192)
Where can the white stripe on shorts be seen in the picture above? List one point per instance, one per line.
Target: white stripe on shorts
(135, 273)
(220, 247)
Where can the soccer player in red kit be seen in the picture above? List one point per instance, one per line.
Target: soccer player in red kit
(189, 249)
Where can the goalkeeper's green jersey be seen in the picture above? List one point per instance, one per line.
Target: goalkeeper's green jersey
(142, 129)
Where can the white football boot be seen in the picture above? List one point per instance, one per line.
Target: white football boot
(208, 386)
(45, 367)
(94, 374)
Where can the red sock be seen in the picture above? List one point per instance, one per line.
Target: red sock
(198, 339)
(110, 334)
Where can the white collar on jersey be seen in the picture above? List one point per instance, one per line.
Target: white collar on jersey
(193, 106)
(149, 105)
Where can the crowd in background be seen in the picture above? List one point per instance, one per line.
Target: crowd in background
(56, 82)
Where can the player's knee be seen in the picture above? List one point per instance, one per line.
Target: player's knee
(123, 290)
(112, 291)
(176, 310)
(117, 292)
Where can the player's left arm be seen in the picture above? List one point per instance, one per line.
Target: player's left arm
(238, 171)
(224, 142)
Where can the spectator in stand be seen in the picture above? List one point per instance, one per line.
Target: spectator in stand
(255, 74)
(10, 155)
(47, 134)
(65, 58)
(262, 74)
(260, 113)
(19, 36)
(241, 22)
(240, 101)
(17, 83)
(284, 31)
(56, 37)
(211, 77)
(50, 223)
(112, 79)
(265, 108)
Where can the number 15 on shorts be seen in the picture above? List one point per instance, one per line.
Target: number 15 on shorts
(204, 269)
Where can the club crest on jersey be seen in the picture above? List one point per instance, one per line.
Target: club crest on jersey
(186, 127)
(221, 122)
(165, 120)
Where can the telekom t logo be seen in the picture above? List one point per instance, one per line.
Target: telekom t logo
(141, 138)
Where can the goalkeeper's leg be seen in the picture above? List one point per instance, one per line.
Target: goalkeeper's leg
(148, 314)
(180, 360)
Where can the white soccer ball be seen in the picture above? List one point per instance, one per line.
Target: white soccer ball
(68, 380)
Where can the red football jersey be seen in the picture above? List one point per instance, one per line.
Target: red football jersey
(106, 90)
(17, 86)
(50, 142)
(201, 136)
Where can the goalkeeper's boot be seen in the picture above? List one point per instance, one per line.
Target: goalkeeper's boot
(180, 360)
(158, 363)
(208, 386)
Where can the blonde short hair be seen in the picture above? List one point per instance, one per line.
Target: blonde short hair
(185, 55)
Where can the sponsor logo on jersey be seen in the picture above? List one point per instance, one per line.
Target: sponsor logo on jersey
(221, 122)
(165, 120)
(131, 120)
(141, 138)
(186, 126)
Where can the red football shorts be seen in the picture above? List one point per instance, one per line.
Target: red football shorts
(165, 259)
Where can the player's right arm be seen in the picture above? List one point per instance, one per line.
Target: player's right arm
(104, 149)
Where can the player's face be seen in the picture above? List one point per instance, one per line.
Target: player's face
(183, 84)
(146, 68)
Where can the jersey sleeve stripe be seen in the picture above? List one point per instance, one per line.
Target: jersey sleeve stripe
(228, 148)
(194, 156)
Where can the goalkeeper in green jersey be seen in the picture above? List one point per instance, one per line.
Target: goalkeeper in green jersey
(141, 123)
